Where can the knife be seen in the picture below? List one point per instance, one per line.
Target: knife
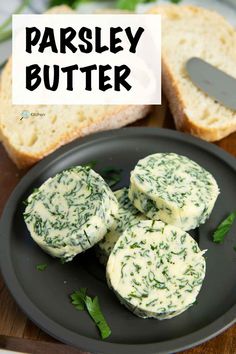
(213, 81)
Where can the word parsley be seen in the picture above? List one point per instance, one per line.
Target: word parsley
(223, 228)
(41, 267)
(111, 175)
(82, 301)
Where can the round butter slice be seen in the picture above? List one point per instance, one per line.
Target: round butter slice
(127, 216)
(173, 189)
(156, 270)
(70, 212)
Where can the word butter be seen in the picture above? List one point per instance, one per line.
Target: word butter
(90, 59)
(67, 35)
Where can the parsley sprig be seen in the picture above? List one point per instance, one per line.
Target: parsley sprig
(128, 5)
(224, 227)
(71, 3)
(82, 301)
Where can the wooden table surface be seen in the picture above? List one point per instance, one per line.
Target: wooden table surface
(17, 332)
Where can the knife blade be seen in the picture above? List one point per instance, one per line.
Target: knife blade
(213, 81)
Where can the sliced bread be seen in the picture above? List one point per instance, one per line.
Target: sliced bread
(189, 31)
(45, 128)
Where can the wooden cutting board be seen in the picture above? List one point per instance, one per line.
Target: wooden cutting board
(18, 333)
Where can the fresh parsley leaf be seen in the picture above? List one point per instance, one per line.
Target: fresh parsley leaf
(223, 228)
(94, 310)
(175, 1)
(78, 299)
(111, 175)
(130, 5)
(71, 3)
(41, 267)
(90, 164)
(81, 301)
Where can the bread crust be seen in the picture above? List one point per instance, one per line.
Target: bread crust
(182, 121)
(120, 118)
(171, 88)
(115, 117)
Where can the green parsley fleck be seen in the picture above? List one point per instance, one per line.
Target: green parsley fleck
(41, 267)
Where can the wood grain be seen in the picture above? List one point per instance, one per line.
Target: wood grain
(19, 333)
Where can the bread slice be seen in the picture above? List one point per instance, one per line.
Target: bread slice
(189, 31)
(30, 139)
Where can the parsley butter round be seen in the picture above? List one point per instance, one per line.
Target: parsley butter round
(70, 212)
(174, 189)
(156, 270)
(127, 216)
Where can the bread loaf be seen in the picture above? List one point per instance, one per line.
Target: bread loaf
(45, 128)
(189, 31)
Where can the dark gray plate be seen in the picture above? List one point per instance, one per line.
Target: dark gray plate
(43, 296)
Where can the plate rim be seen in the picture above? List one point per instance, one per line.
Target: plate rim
(62, 333)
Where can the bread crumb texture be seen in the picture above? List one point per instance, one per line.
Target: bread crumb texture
(45, 128)
(189, 31)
